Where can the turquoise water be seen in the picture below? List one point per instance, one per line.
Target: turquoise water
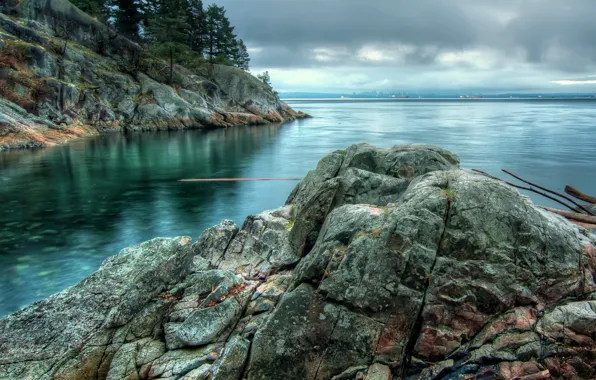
(65, 209)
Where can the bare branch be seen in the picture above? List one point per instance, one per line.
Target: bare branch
(549, 191)
(579, 195)
(572, 215)
(526, 188)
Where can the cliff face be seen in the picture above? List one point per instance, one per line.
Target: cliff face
(63, 75)
(384, 264)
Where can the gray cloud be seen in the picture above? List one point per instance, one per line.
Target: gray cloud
(552, 37)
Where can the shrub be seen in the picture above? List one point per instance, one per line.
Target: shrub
(12, 56)
(7, 91)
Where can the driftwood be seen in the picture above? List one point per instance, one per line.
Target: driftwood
(579, 195)
(550, 191)
(525, 188)
(572, 215)
(236, 179)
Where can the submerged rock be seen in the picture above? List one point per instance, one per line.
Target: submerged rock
(384, 264)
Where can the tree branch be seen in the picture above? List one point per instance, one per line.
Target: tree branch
(550, 191)
(525, 188)
(572, 215)
(579, 195)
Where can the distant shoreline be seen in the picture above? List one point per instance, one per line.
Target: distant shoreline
(432, 99)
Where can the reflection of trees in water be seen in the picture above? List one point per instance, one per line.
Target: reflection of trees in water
(68, 207)
(92, 183)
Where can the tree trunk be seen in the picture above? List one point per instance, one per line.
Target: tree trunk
(171, 66)
(572, 215)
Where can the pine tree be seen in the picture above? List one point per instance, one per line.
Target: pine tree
(170, 31)
(94, 8)
(197, 22)
(127, 16)
(221, 40)
(265, 78)
(241, 57)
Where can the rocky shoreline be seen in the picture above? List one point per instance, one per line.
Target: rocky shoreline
(53, 90)
(383, 264)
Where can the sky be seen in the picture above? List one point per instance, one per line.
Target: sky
(420, 45)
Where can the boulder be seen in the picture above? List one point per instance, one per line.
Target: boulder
(415, 269)
(71, 331)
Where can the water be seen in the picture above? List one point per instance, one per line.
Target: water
(65, 209)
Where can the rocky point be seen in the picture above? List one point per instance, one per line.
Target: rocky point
(384, 264)
(55, 88)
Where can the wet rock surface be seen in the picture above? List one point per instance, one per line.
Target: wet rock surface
(384, 264)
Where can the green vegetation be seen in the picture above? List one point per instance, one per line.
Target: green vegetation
(178, 31)
(449, 194)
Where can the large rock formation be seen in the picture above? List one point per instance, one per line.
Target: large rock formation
(384, 264)
(64, 75)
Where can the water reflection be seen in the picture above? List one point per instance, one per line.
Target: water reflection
(67, 208)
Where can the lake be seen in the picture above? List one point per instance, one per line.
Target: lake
(67, 208)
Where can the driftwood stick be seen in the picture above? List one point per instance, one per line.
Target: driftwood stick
(579, 195)
(572, 215)
(236, 179)
(525, 188)
(550, 191)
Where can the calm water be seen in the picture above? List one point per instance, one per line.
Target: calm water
(65, 209)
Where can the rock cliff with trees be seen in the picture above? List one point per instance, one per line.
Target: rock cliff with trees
(127, 65)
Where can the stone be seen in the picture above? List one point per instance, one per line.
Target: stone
(86, 314)
(231, 363)
(213, 243)
(452, 275)
(202, 326)
(378, 372)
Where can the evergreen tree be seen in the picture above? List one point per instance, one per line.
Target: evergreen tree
(221, 40)
(265, 78)
(170, 31)
(197, 22)
(127, 16)
(94, 8)
(241, 57)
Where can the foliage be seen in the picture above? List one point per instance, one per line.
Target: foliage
(265, 78)
(169, 32)
(180, 31)
(11, 55)
(197, 21)
(94, 8)
(8, 92)
(240, 55)
(127, 15)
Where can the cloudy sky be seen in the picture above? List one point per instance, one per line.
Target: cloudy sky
(420, 45)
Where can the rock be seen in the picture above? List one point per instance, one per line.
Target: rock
(51, 331)
(202, 326)
(441, 274)
(200, 373)
(319, 339)
(179, 362)
(262, 246)
(378, 372)
(231, 364)
(360, 174)
(214, 241)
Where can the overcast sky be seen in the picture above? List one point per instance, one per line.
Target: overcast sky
(420, 45)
